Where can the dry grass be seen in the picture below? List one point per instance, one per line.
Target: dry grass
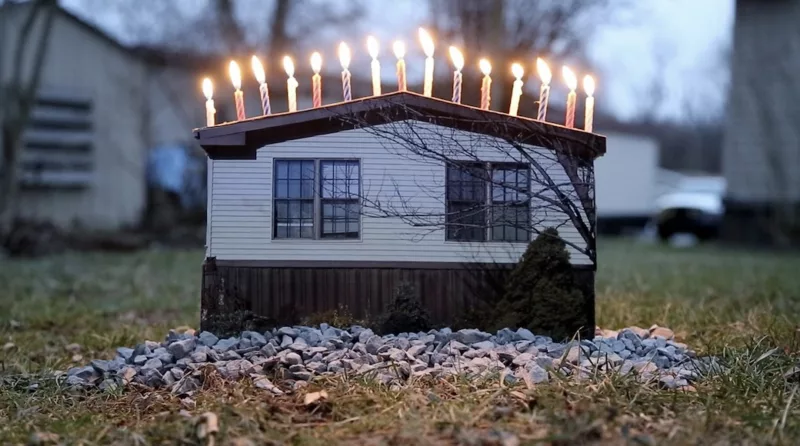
(743, 307)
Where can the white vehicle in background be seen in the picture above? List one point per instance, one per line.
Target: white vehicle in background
(689, 208)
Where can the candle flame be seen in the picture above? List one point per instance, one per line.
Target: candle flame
(427, 42)
(570, 79)
(486, 67)
(458, 58)
(517, 70)
(544, 71)
(316, 62)
(236, 75)
(372, 47)
(208, 88)
(288, 66)
(258, 70)
(399, 49)
(588, 85)
(344, 55)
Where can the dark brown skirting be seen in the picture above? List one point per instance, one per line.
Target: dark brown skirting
(286, 292)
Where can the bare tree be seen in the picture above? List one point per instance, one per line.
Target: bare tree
(18, 93)
(557, 189)
(228, 26)
(518, 30)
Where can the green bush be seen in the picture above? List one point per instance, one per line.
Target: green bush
(541, 293)
(406, 313)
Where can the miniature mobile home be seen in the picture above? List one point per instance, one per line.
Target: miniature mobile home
(335, 205)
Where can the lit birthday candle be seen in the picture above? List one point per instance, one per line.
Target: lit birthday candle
(486, 85)
(258, 71)
(372, 48)
(400, 53)
(458, 62)
(316, 80)
(572, 97)
(516, 91)
(208, 92)
(427, 47)
(544, 94)
(344, 59)
(238, 96)
(588, 117)
(291, 83)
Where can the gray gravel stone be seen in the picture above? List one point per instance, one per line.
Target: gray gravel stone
(181, 349)
(125, 353)
(299, 353)
(470, 336)
(207, 339)
(154, 363)
(223, 345)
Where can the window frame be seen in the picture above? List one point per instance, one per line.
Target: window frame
(318, 201)
(488, 199)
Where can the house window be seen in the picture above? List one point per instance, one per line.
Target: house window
(294, 199)
(317, 199)
(341, 208)
(511, 205)
(57, 144)
(488, 201)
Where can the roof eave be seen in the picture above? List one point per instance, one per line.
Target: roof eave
(241, 139)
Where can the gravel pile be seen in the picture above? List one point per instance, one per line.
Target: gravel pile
(297, 354)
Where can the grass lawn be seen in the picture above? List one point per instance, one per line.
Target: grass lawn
(743, 307)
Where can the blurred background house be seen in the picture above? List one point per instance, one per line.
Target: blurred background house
(762, 135)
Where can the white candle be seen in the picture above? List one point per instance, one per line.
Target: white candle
(458, 62)
(372, 48)
(486, 85)
(544, 94)
(238, 96)
(516, 91)
(572, 97)
(258, 70)
(316, 80)
(208, 91)
(291, 83)
(427, 47)
(400, 52)
(344, 59)
(588, 117)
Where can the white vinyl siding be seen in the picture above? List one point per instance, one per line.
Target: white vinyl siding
(241, 200)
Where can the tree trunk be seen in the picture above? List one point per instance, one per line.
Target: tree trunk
(9, 177)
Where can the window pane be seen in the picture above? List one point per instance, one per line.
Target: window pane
(308, 210)
(307, 188)
(282, 210)
(307, 231)
(295, 170)
(340, 179)
(294, 189)
(281, 189)
(281, 169)
(308, 170)
(340, 219)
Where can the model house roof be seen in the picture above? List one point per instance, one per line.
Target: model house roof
(241, 139)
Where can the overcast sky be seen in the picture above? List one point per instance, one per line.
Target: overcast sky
(691, 32)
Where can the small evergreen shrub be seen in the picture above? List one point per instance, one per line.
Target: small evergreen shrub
(541, 293)
(406, 313)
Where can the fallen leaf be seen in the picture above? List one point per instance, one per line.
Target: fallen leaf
(313, 397)
(9, 346)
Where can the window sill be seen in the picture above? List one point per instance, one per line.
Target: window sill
(294, 241)
(487, 242)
